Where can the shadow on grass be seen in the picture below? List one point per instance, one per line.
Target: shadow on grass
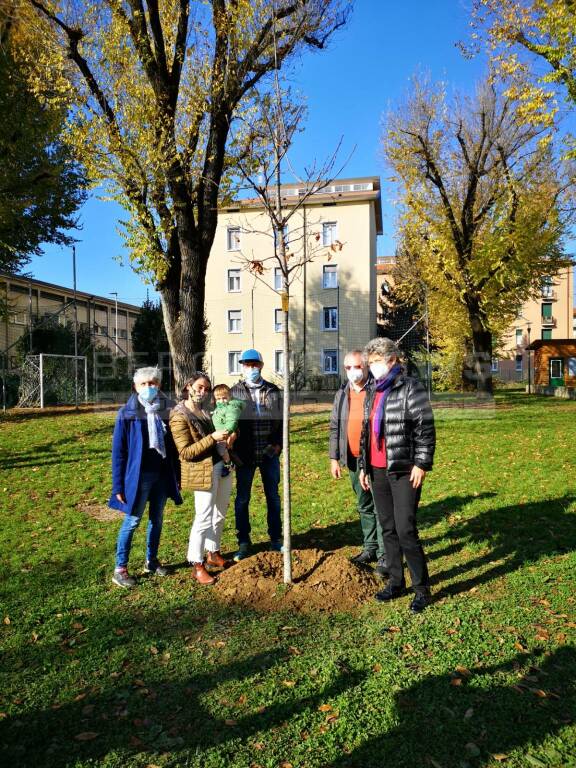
(445, 725)
(349, 533)
(514, 535)
(156, 714)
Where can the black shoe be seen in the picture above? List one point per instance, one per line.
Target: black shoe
(420, 601)
(381, 569)
(390, 592)
(363, 558)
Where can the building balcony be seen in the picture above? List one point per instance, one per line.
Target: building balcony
(548, 322)
(549, 293)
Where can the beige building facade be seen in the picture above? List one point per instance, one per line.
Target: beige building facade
(30, 300)
(549, 317)
(332, 296)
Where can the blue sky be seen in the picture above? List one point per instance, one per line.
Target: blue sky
(348, 88)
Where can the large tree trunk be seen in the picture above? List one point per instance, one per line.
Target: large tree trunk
(482, 353)
(183, 294)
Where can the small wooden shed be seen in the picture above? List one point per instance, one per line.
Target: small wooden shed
(554, 362)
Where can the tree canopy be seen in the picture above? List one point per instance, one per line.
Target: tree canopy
(41, 186)
(156, 87)
(480, 206)
(520, 36)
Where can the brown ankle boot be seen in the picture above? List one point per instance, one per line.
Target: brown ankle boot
(216, 560)
(201, 575)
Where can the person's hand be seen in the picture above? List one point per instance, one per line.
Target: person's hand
(220, 434)
(417, 477)
(231, 439)
(335, 469)
(363, 480)
(121, 498)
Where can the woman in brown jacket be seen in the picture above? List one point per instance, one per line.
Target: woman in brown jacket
(201, 472)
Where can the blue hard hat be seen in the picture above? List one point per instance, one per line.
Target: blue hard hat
(251, 355)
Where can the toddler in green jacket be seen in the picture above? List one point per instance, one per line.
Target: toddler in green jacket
(226, 416)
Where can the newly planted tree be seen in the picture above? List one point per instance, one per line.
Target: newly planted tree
(156, 88)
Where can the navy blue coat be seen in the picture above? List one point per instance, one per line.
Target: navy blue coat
(127, 450)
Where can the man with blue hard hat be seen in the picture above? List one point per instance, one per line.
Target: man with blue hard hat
(259, 445)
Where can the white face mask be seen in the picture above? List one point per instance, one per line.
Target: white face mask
(379, 370)
(355, 375)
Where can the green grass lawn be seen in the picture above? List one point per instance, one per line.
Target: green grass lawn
(166, 676)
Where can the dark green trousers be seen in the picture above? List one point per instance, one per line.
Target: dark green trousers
(371, 530)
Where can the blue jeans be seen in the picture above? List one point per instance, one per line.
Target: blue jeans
(270, 474)
(152, 489)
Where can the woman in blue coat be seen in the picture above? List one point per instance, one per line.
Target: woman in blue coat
(144, 471)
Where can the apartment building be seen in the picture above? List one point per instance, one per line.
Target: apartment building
(549, 317)
(332, 296)
(28, 300)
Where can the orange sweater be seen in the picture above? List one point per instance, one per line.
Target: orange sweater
(355, 417)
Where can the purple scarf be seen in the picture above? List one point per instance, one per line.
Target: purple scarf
(383, 385)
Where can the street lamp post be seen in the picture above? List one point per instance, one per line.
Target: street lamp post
(529, 367)
(115, 294)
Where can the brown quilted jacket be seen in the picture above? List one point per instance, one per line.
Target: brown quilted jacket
(195, 448)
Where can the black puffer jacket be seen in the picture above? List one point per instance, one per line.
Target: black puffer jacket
(409, 431)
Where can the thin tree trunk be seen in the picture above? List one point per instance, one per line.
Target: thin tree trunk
(287, 518)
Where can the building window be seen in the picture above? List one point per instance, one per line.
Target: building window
(518, 364)
(330, 319)
(233, 238)
(547, 288)
(234, 362)
(546, 334)
(330, 361)
(122, 333)
(233, 280)
(278, 321)
(234, 321)
(547, 310)
(19, 318)
(329, 276)
(329, 233)
(277, 279)
(279, 361)
(519, 337)
(494, 367)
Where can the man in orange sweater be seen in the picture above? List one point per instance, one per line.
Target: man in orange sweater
(344, 449)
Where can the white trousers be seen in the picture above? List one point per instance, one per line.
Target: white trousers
(210, 513)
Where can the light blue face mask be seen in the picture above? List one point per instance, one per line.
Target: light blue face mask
(251, 374)
(148, 393)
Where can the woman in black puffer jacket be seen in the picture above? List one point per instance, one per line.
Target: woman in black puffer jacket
(397, 450)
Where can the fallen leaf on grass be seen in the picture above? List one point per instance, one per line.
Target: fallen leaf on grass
(468, 714)
(463, 671)
(259, 745)
(456, 681)
(153, 650)
(289, 683)
(284, 764)
(500, 757)
(377, 668)
(7, 620)
(242, 699)
(230, 722)
(520, 647)
(324, 708)
(293, 651)
(86, 736)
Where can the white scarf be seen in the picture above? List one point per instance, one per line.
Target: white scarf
(156, 426)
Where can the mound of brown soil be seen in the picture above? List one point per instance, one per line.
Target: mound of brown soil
(322, 581)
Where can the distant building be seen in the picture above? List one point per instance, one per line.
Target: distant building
(333, 298)
(29, 300)
(554, 366)
(550, 317)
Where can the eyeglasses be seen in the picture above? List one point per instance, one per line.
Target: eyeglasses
(352, 367)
